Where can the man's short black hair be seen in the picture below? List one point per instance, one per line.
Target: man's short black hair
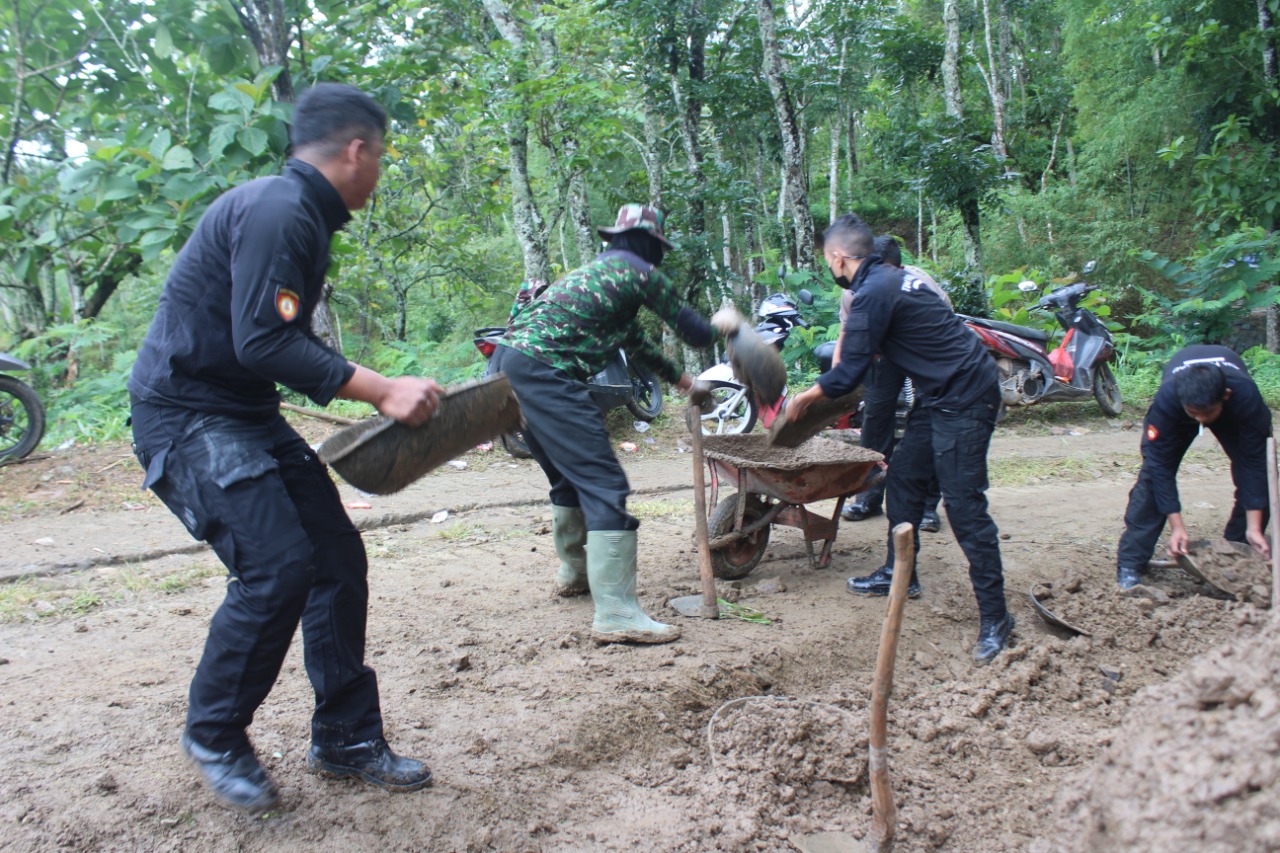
(889, 250)
(850, 235)
(1200, 386)
(330, 115)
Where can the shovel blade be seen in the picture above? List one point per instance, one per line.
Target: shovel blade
(829, 842)
(381, 456)
(693, 607)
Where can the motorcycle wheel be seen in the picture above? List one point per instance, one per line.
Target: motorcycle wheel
(21, 419)
(514, 443)
(737, 559)
(1107, 392)
(645, 401)
(717, 416)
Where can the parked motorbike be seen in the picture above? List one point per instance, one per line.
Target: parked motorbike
(1077, 369)
(622, 383)
(731, 409)
(22, 415)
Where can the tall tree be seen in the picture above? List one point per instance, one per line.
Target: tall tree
(795, 177)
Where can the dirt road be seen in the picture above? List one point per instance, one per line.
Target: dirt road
(541, 740)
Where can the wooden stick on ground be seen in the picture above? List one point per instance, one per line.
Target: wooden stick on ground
(1273, 488)
(884, 814)
(324, 416)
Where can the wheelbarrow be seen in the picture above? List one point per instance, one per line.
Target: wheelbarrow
(773, 485)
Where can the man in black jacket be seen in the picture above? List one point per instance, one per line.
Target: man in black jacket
(949, 431)
(1202, 386)
(232, 322)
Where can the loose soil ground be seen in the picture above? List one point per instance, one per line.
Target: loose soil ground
(734, 738)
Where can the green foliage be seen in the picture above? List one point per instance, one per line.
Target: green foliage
(95, 405)
(1221, 280)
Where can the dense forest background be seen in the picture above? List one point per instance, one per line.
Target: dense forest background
(999, 139)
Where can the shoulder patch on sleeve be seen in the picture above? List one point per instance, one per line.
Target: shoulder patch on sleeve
(287, 304)
(1152, 432)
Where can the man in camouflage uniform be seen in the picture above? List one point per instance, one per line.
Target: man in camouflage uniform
(553, 346)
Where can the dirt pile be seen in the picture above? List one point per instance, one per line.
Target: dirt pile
(1232, 567)
(1196, 764)
(754, 451)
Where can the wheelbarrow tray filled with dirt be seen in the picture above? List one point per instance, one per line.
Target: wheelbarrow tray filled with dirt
(773, 485)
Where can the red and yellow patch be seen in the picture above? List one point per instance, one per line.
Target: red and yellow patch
(1152, 432)
(287, 304)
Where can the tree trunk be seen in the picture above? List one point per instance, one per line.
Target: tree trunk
(833, 170)
(585, 238)
(652, 160)
(792, 138)
(690, 110)
(951, 59)
(995, 84)
(267, 26)
(530, 228)
(971, 216)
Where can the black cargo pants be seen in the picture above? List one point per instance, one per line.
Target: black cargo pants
(879, 426)
(1143, 524)
(952, 446)
(566, 434)
(255, 491)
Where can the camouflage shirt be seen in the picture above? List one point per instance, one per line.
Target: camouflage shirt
(579, 322)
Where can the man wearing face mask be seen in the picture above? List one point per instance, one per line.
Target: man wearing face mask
(949, 431)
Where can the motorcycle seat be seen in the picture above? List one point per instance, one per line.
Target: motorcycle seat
(1010, 328)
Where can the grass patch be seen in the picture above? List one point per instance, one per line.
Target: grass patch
(659, 509)
(79, 593)
(460, 531)
(1023, 470)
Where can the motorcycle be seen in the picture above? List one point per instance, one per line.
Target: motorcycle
(622, 383)
(22, 415)
(1077, 369)
(731, 410)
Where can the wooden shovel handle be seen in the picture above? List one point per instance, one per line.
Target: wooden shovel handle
(710, 606)
(1273, 493)
(884, 815)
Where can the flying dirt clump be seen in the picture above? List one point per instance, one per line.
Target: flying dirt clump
(1196, 763)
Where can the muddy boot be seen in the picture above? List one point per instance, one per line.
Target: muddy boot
(993, 637)
(611, 567)
(1127, 577)
(569, 529)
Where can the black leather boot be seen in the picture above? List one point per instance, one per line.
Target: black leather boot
(373, 761)
(1128, 577)
(993, 636)
(860, 511)
(879, 582)
(236, 777)
(930, 522)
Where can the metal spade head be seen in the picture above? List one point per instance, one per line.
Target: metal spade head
(382, 456)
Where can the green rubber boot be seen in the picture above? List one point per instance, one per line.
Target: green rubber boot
(611, 568)
(569, 529)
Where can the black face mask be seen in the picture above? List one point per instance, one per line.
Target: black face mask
(844, 281)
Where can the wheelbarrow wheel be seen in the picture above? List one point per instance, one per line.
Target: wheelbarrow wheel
(738, 558)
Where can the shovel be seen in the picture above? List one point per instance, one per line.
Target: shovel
(884, 814)
(704, 606)
(382, 456)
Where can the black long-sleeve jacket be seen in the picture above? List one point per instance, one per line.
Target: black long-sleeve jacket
(1242, 430)
(897, 315)
(234, 318)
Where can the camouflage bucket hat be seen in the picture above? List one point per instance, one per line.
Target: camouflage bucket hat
(639, 216)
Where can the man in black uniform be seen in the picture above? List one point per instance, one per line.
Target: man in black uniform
(1202, 386)
(948, 432)
(884, 383)
(232, 322)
